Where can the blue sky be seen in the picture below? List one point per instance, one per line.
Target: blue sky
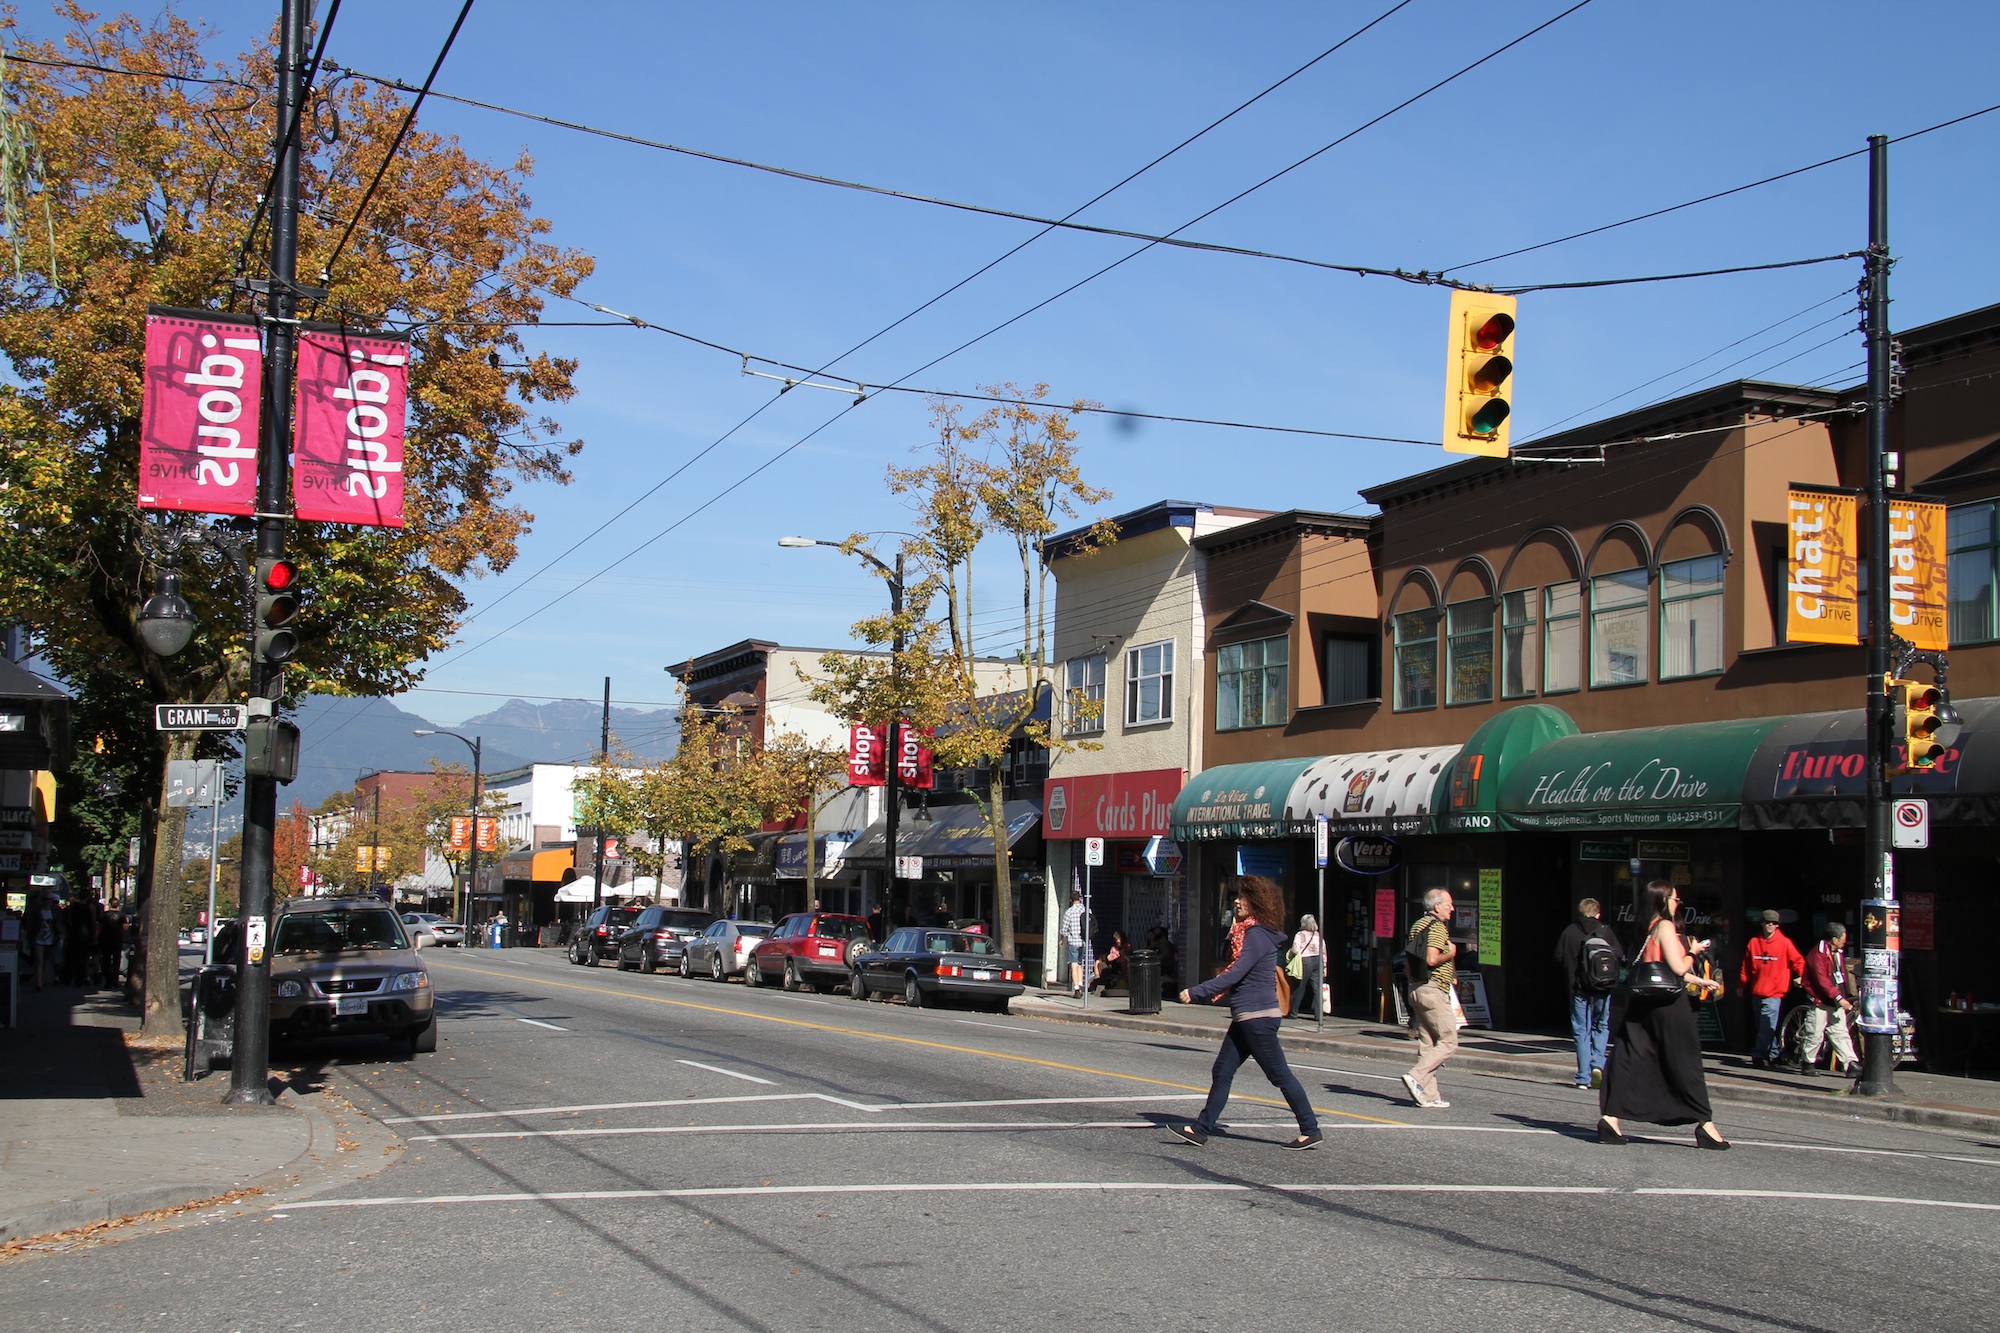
(1619, 108)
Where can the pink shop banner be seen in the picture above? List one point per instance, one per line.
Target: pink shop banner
(347, 461)
(198, 416)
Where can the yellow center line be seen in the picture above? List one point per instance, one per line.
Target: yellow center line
(909, 1041)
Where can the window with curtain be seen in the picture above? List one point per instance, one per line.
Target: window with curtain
(1469, 651)
(1618, 628)
(1347, 669)
(1083, 684)
(1149, 683)
(1972, 536)
(1520, 645)
(1562, 637)
(1253, 684)
(1416, 659)
(1691, 617)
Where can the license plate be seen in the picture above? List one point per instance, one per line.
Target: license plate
(982, 976)
(347, 1005)
(828, 951)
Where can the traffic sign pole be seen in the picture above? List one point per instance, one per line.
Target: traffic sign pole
(1319, 859)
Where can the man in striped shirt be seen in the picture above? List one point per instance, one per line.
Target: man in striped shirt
(1430, 999)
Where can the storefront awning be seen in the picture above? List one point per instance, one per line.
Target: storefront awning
(829, 853)
(952, 835)
(1238, 801)
(1468, 796)
(1810, 772)
(1680, 777)
(545, 867)
(1383, 791)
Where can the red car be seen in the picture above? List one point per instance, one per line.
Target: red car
(811, 947)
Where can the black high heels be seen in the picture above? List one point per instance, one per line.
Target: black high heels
(1704, 1139)
(1606, 1134)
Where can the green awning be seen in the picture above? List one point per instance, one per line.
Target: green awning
(1680, 777)
(1237, 801)
(1468, 793)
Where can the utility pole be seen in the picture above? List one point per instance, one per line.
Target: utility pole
(249, 1067)
(1879, 1060)
(892, 771)
(472, 855)
(603, 761)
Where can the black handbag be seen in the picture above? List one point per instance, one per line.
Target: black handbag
(1654, 981)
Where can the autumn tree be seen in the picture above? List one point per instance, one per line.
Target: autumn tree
(149, 176)
(800, 775)
(1012, 473)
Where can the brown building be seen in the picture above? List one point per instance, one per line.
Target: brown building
(1609, 602)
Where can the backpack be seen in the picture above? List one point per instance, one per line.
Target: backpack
(1416, 964)
(1597, 967)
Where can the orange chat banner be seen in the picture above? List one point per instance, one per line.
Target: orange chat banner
(1822, 592)
(1917, 578)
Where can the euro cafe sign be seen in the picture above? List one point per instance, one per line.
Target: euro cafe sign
(1823, 581)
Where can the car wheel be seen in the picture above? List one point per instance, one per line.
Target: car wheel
(715, 967)
(753, 975)
(913, 994)
(621, 961)
(686, 970)
(856, 987)
(425, 1039)
(791, 974)
(646, 963)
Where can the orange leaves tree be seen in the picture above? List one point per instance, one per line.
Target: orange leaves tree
(146, 179)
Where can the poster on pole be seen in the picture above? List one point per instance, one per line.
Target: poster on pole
(198, 414)
(1489, 917)
(347, 457)
(1881, 959)
(1822, 592)
(1917, 578)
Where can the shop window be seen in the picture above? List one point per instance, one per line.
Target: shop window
(1618, 628)
(1349, 668)
(1691, 617)
(1416, 659)
(1149, 683)
(1083, 694)
(1469, 651)
(1520, 645)
(1253, 684)
(1972, 536)
(1562, 637)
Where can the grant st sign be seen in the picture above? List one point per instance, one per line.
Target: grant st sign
(1688, 776)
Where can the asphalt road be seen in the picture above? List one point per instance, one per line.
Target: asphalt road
(597, 1150)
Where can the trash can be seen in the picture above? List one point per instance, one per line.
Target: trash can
(1142, 982)
(211, 1021)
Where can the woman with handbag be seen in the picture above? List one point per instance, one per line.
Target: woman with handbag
(1251, 982)
(1654, 1073)
(1306, 966)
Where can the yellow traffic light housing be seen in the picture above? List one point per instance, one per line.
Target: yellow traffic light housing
(1924, 745)
(1479, 373)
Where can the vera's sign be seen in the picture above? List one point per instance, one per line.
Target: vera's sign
(198, 416)
(347, 462)
(1822, 593)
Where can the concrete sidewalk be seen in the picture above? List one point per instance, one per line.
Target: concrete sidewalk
(94, 1128)
(1925, 1099)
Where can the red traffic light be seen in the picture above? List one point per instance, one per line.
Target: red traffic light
(1493, 332)
(278, 574)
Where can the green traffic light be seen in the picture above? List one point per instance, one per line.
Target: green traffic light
(1486, 421)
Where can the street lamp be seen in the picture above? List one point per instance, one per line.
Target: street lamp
(472, 852)
(892, 770)
(166, 621)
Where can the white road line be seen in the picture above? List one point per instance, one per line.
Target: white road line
(540, 1024)
(1351, 1073)
(631, 1106)
(796, 1127)
(1004, 1027)
(718, 1069)
(1115, 1187)
(1043, 1101)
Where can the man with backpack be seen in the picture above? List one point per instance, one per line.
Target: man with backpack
(1589, 956)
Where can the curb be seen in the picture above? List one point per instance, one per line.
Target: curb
(1923, 1114)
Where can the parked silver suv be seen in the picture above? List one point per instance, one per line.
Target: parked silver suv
(346, 967)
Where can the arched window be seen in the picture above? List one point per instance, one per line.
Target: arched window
(1541, 624)
(1468, 635)
(1414, 627)
(1620, 590)
(1691, 597)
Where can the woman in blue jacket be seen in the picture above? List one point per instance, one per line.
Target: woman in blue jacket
(1254, 1015)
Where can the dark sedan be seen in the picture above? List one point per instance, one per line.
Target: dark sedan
(657, 938)
(928, 965)
(597, 938)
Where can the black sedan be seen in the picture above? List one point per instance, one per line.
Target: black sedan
(597, 938)
(927, 965)
(657, 938)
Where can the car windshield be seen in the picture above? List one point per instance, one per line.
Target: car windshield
(936, 942)
(621, 918)
(331, 932)
(754, 928)
(687, 920)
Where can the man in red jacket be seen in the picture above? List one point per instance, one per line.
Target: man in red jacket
(1826, 1018)
(1772, 965)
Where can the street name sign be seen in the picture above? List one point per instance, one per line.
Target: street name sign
(199, 717)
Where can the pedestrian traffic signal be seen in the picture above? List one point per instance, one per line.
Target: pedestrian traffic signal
(271, 748)
(1479, 372)
(277, 608)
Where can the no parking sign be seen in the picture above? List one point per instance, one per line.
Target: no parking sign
(1910, 821)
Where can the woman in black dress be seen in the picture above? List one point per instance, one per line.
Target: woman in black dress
(1654, 1073)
